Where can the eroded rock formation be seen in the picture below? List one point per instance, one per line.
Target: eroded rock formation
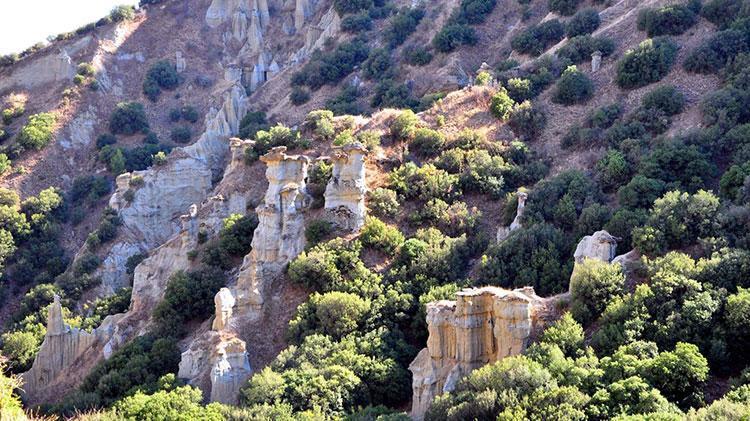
(345, 192)
(62, 345)
(504, 232)
(482, 326)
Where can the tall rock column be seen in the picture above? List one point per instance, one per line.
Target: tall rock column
(504, 232)
(482, 326)
(345, 192)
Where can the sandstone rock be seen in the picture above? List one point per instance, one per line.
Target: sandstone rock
(316, 35)
(504, 232)
(302, 11)
(62, 345)
(180, 62)
(224, 302)
(600, 246)
(231, 369)
(279, 236)
(80, 130)
(482, 326)
(345, 192)
(596, 61)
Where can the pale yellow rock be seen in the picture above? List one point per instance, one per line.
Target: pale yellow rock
(224, 302)
(482, 326)
(345, 192)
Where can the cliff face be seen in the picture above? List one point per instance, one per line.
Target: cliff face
(481, 326)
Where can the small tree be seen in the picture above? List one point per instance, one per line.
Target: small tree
(128, 118)
(593, 285)
(501, 104)
(574, 87)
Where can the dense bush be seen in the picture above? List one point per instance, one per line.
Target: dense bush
(378, 65)
(330, 67)
(394, 95)
(359, 22)
(472, 12)
(162, 75)
(427, 142)
(584, 22)
(501, 104)
(189, 296)
(647, 63)
(404, 127)
(37, 132)
(334, 314)
(417, 56)
(580, 48)
(527, 121)
(384, 202)
(299, 95)
(563, 7)
(716, 51)
(722, 12)
(536, 39)
(453, 36)
(425, 182)
(537, 256)
(278, 135)
(593, 285)
(677, 164)
(378, 235)
(665, 98)
(128, 118)
(251, 123)
(573, 87)
(667, 20)
(403, 24)
(180, 403)
(181, 134)
(344, 7)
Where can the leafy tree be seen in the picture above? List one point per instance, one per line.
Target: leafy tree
(161, 75)
(182, 403)
(376, 233)
(563, 7)
(335, 314)
(501, 104)
(647, 63)
(37, 132)
(680, 374)
(189, 296)
(668, 20)
(128, 118)
(536, 39)
(584, 22)
(403, 24)
(453, 36)
(573, 87)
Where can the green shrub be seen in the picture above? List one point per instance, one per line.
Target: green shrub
(472, 12)
(105, 139)
(646, 64)
(580, 48)
(675, 162)
(666, 99)
(278, 135)
(346, 102)
(722, 12)
(317, 180)
(331, 67)
(417, 55)
(85, 69)
(5, 163)
(78, 79)
(641, 192)
(404, 127)
(453, 36)
(584, 22)
(501, 104)
(563, 7)
(236, 234)
(317, 230)
(251, 123)
(453, 220)
(593, 285)
(527, 121)
(37, 132)
(181, 134)
(128, 118)
(359, 22)
(614, 170)
(188, 296)
(189, 113)
(537, 256)
(715, 52)
(122, 13)
(519, 89)
(383, 202)
(299, 95)
(536, 39)
(344, 7)
(394, 95)
(574, 87)
(403, 24)
(425, 182)
(668, 20)
(427, 142)
(162, 75)
(378, 65)
(377, 234)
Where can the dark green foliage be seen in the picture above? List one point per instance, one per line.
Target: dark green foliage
(641, 192)
(181, 134)
(128, 118)
(580, 48)
(107, 230)
(299, 95)
(330, 67)
(103, 307)
(383, 202)
(584, 22)
(678, 165)
(536, 39)
(189, 296)
(537, 256)
(402, 25)
(378, 65)
(317, 230)
(716, 51)
(139, 364)
(425, 182)
(104, 140)
(121, 13)
(359, 22)
(380, 236)
(561, 199)
(453, 36)
(563, 7)
(722, 12)
(251, 123)
(344, 7)
(417, 55)
(472, 12)
(162, 75)
(574, 87)
(527, 121)
(427, 142)
(345, 102)
(646, 64)
(593, 285)
(622, 223)
(668, 20)
(278, 135)
(89, 188)
(614, 170)
(393, 95)
(666, 99)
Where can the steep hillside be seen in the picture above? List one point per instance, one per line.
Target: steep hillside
(264, 209)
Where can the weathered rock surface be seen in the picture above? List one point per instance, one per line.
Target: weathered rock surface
(80, 130)
(504, 232)
(345, 192)
(482, 326)
(224, 302)
(62, 345)
(280, 234)
(599, 246)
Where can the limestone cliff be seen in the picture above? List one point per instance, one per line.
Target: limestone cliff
(482, 326)
(345, 192)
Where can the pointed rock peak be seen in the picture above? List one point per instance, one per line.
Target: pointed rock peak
(55, 323)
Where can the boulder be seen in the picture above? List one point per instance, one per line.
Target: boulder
(482, 326)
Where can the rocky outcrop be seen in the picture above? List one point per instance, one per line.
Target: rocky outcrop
(504, 232)
(599, 246)
(80, 130)
(302, 11)
(345, 192)
(62, 345)
(482, 326)
(316, 35)
(224, 302)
